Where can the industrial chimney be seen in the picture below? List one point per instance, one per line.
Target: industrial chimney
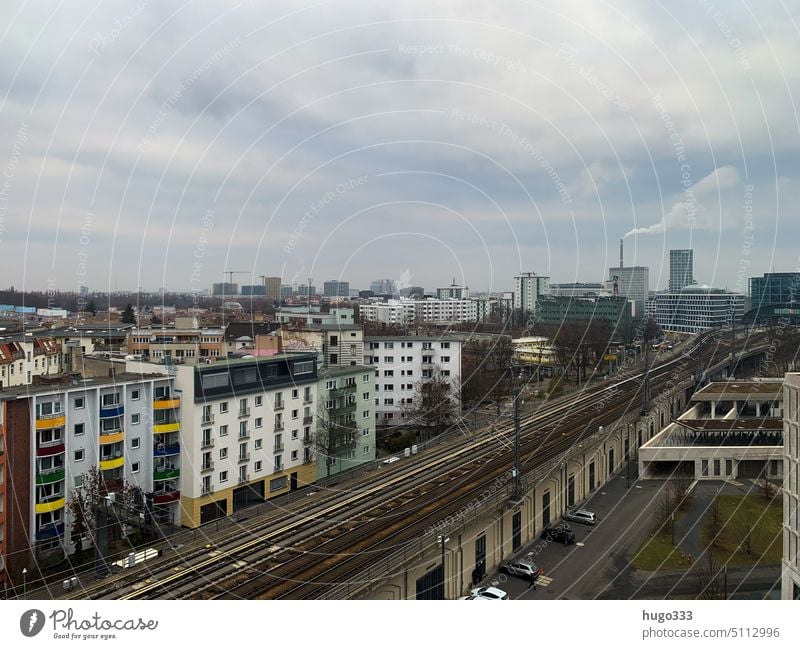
(621, 258)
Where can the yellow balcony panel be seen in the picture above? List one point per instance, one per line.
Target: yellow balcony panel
(51, 422)
(113, 438)
(52, 506)
(165, 404)
(106, 465)
(167, 428)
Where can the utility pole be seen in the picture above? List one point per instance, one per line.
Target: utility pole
(647, 395)
(516, 472)
(442, 539)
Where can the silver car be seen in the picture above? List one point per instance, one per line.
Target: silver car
(521, 568)
(582, 516)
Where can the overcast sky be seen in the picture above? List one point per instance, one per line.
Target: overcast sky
(161, 143)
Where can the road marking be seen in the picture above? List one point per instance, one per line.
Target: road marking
(580, 545)
(544, 581)
(638, 486)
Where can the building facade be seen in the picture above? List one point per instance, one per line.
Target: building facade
(790, 581)
(336, 288)
(452, 292)
(186, 342)
(774, 288)
(223, 289)
(272, 288)
(696, 308)
(527, 289)
(383, 287)
(402, 363)
(616, 311)
(632, 282)
(681, 269)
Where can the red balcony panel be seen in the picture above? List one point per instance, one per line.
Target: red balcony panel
(55, 449)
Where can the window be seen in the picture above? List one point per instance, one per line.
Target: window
(445, 359)
(136, 442)
(243, 407)
(305, 367)
(79, 455)
(216, 380)
(111, 399)
(365, 432)
(135, 395)
(223, 407)
(445, 345)
(388, 402)
(389, 387)
(365, 378)
(330, 385)
(295, 393)
(243, 429)
(294, 414)
(80, 402)
(259, 400)
(223, 430)
(278, 483)
(334, 341)
(388, 345)
(79, 480)
(48, 408)
(223, 453)
(135, 418)
(259, 422)
(294, 455)
(294, 433)
(258, 444)
(365, 396)
(307, 395)
(223, 476)
(388, 372)
(365, 450)
(388, 359)
(365, 413)
(278, 461)
(257, 466)
(79, 429)
(134, 467)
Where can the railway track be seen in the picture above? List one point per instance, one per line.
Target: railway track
(299, 553)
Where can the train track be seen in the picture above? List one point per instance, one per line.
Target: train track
(299, 553)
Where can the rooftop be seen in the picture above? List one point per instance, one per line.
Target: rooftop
(771, 389)
(71, 382)
(739, 424)
(446, 339)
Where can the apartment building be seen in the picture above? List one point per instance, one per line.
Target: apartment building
(186, 342)
(790, 582)
(126, 426)
(249, 430)
(527, 289)
(390, 312)
(345, 436)
(24, 357)
(306, 315)
(401, 363)
(337, 345)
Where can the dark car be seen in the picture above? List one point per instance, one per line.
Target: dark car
(561, 533)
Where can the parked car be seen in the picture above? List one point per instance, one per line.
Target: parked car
(487, 592)
(561, 533)
(521, 568)
(582, 516)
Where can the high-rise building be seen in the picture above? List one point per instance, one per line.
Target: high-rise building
(383, 287)
(304, 291)
(632, 282)
(253, 289)
(272, 288)
(452, 292)
(527, 289)
(774, 288)
(286, 291)
(221, 289)
(335, 288)
(696, 308)
(790, 585)
(681, 269)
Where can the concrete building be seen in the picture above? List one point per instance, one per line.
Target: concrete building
(224, 289)
(534, 350)
(345, 436)
(186, 342)
(336, 345)
(286, 291)
(452, 292)
(616, 311)
(305, 290)
(731, 430)
(249, 427)
(412, 291)
(254, 290)
(273, 288)
(126, 426)
(580, 289)
(681, 269)
(336, 288)
(390, 312)
(633, 283)
(696, 308)
(527, 289)
(383, 287)
(790, 582)
(295, 315)
(402, 363)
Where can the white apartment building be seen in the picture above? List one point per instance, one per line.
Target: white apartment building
(391, 312)
(695, 308)
(24, 356)
(527, 289)
(401, 363)
(790, 582)
(452, 292)
(337, 345)
(249, 429)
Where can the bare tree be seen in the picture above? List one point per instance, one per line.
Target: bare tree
(708, 580)
(680, 487)
(333, 435)
(433, 404)
(748, 531)
(715, 522)
(664, 510)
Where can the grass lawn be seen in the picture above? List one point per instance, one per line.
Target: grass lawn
(743, 516)
(658, 552)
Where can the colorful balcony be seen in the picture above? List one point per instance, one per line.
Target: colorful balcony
(55, 421)
(172, 427)
(166, 474)
(52, 506)
(113, 411)
(49, 477)
(113, 463)
(166, 404)
(50, 531)
(45, 451)
(112, 438)
(166, 498)
(161, 450)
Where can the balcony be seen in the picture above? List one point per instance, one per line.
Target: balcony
(166, 497)
(208, 442)
(244, 458)
(53, 449)
(206, 490)
(244, 412)
(279, 427)
(50, 476)
(306, 420)
(207, 466)
(170, 427)
(244, 434)
(112, 463)
(163, 450)
(50, 531)
(207, 419)
(51, 421)
(308, 400)
(166, 404)
(307, 440)
(52, 506)
(277, 448)
(279, 405)
(344, 390)
(112, 411)
(244, 478)
(112, 438)
(166, 474)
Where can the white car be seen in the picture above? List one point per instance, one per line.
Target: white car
(488, 592)
(391, 460)
(582, 516)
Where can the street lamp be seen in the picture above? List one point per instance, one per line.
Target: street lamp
(441, 539)
(24, 583)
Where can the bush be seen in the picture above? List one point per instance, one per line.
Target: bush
(400, 441)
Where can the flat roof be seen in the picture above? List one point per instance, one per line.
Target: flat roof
(448, 338)
(739, 424)
(738, 388)
(68, 383)
(348, 369)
